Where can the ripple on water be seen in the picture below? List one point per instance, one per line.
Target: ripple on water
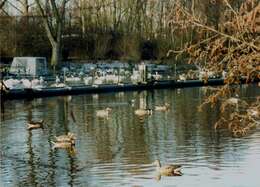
(119, 151)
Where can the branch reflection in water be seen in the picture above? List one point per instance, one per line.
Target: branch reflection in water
(120, 150)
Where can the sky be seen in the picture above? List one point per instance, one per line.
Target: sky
(13, 6)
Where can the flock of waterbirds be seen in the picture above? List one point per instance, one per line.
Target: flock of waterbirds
(237, 124)
(68, 141)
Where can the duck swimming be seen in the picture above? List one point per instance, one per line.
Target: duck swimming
(35, 125)
(168, 170)
(143, 112)
(70, 137)
(103, 113)
(63, 145)
(163, 108)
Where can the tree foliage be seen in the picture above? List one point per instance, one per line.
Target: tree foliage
(232, 46)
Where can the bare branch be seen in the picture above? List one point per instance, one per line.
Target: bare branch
(2, 4)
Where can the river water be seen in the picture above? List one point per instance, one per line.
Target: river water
(119, 151)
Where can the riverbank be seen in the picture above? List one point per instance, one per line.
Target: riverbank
(77, 90)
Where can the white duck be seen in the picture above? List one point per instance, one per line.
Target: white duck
(87, 80)
(112, 78)
(58, 83)
(37, 83)
(157, 76)
(182, 77)
(72, 79)
(99, 80)
(26, 83)
(103, 113)
(135, 77)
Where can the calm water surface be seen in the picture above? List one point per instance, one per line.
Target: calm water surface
(119, 151)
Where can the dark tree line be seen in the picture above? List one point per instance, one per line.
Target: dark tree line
(100, 29)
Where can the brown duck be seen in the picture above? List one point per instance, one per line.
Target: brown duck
(70, 137)
(163, 108)
(168, 170)
(63, 145)
(35, 125)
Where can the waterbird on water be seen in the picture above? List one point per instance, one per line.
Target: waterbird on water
(103, 113)
(163, 108)
(58, 83)
(64, 141)
(69, 137)
(167, 170)
(35, 125)
(63, 145)
(143, 112)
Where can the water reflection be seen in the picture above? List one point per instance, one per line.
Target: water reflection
(119, 151)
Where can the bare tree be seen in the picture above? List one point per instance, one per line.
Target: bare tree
(53, 14)
(25, 7)
(2, 4)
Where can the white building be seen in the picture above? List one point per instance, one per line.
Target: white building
(29, 66)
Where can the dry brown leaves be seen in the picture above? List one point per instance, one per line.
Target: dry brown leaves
(234, 48)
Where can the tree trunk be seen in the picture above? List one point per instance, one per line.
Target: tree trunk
(82, 16)
(26, 12)
(114, 15)
(55, 57)
(25, 8)
(54, 30)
